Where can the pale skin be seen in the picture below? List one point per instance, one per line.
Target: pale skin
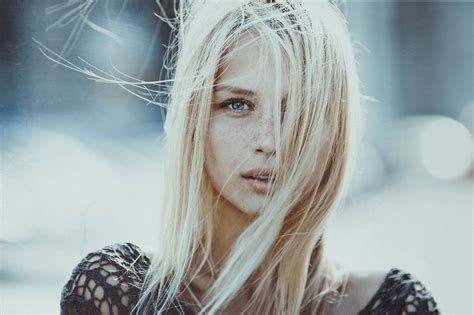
(241, 137)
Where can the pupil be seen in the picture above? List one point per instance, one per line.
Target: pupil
(237, 106)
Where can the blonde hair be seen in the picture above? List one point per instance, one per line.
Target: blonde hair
(284, 245)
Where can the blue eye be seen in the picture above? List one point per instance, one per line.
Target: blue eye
(236, 105)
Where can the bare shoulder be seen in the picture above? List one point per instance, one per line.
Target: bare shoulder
(381, 292)
(362, 285)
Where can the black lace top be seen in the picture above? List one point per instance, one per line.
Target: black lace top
(108, 282)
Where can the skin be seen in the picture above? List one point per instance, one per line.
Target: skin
(241, 134)
(241, 138)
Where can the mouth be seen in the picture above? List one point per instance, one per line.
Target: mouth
(260, 184)
(260, 179)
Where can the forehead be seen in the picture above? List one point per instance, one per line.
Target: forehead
(250, 63)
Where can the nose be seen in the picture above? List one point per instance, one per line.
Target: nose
(265, 136)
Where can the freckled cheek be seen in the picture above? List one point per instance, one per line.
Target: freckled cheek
(229, 144)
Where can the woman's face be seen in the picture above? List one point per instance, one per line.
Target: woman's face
(241, 142)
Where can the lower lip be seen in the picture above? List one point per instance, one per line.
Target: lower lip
(259, 186)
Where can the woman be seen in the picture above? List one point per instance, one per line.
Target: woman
(262, 127)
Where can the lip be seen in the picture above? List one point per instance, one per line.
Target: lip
(260, 171)
(259, 186)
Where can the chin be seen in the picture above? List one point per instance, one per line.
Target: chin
(251, 209)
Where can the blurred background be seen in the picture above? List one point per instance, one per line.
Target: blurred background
(80, 160)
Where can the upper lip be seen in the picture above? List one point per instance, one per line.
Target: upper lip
(260, 171)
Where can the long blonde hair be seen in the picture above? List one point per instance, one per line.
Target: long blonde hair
(284, 245)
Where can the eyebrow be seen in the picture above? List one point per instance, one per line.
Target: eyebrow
(238, 90)
(234, 89)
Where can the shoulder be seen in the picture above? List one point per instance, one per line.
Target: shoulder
(396, 291)
(359, 290)
(106, 281)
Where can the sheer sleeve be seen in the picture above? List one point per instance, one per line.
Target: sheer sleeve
(401, 293)
(106, 282)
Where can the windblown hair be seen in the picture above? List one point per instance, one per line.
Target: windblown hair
(315, 148)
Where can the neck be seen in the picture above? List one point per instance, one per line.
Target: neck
(229, 223)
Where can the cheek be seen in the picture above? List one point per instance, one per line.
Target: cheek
(228, 150)
(227, 146)
(228, 139)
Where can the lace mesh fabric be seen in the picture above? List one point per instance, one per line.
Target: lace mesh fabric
(108, 282)
(401, 293)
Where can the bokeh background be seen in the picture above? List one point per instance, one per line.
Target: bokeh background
(80, 160)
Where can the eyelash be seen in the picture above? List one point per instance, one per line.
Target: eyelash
(234, 101)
